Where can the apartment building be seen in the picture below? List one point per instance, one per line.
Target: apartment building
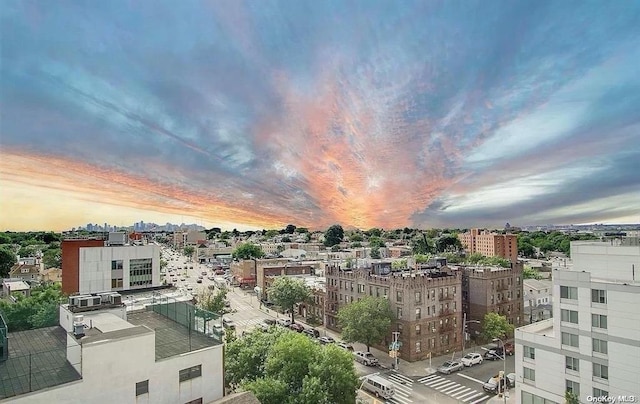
(591, 346)
(427, 305)
(490, 244)
(492, 290)
(109, 355)
(96, 265)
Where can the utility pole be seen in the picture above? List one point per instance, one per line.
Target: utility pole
(396, 347)
(464, 331)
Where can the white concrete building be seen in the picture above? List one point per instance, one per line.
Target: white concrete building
(118, 268)
(591, 346)
(121, 360)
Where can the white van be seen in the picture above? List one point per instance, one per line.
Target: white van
(379, 386)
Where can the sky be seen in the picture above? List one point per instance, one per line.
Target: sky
(256, 114)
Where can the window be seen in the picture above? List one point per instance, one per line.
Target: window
(116, 265)
(360, 288)
(399, 312)
(417, 346)
(529, 374)
(140, 272)
(600, 346)
(568, 292)
(570, 339)
(598, 321)
(418, 297)
(399, 296)
(569, 316)
(601, 371)
(573, 387)
(418, 329)
(418, 313)
(598, 296)
(142, 387)
(572, 363)
(600, 393)
(529, 352)
(190, 373)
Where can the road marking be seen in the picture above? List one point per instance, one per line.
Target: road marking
(446, 385)
(480, 400)
(451, 389)
(398, 400)
(457, 390)
(424, 379)
(463, 392)
(437, 383)
(470, 378)
(403, 377)
(469, 394)
(472, 397)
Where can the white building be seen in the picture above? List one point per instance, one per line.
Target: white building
(591, 346)
(118, 268)
(537, 299)
(124, 360)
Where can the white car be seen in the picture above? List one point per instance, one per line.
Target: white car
(471, 359)
(285, 322)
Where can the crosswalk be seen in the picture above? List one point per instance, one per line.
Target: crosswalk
(403, 387)
(454, 390)
(248, 323)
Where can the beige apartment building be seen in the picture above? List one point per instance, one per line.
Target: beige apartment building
(490, 244)
(492, 290)
(427, 305)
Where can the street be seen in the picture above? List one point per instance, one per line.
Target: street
(413, 383)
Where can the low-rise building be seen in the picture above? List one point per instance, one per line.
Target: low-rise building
(104, 354)
(28, 272)
(427, 305)
(537, 299)
(14, 287)
(590, 347)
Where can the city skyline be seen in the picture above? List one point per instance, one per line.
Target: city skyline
(255, 115)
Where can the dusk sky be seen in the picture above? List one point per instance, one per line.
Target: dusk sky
(255, 114)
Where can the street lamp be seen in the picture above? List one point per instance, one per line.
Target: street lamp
(504, 370)
(464, 330)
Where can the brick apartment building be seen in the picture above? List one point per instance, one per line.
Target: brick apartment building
(427, 305)
(490, 244)
(492, 289)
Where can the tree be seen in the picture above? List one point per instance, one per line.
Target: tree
(271, 233)
(571, 397)
(283, 367)
(422, 245)
(375, 253)
(373, 232)
(36, 311)
(356, 237)
(333, 235)
(163, 264)
(399, 264)
(422, 258)
(213, 302)
(367, 321)
(448, 243)
(375, 242)
(189, 250)
(290, 229)
(530, 273)
(286, 292)
(52, 258)
(496, 326)
(5, 239)
(301, 230)
(7, 260)
(247, 251)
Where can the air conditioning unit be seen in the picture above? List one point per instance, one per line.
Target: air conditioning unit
(89, 301)
(104, 296)
(115, 298)
(75, 300)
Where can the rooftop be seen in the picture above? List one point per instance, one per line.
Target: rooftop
(544, 327)
(37, 360)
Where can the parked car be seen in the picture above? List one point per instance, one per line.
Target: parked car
(326, 340)
(269, 321)
(312, 332)
(285, 322)
(366, 358)
(345, 346)
(493, 354)
(471, 359)
(449, 367)
(494, 386)
(297, 327)
(199, 281)
(228, 323)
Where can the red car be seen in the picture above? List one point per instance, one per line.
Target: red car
(296, 327)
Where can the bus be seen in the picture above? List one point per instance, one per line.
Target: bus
(379, 386)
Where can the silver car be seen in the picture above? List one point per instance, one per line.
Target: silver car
(450, 367)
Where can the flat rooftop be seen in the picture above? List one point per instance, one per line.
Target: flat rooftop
(171, 338)
(37, 360)
(544, 327)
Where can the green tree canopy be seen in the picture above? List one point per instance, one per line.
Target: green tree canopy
(36, 311)
(530, 273)
(399, 264)
(373, 232)
(286, 292)
(5, 239)
(283, 367)
(7, 260)
(423, 245)
(448, 243)
(496, 326)
(333, 235)
(290, 229)
(52, 258)
(375, 253)
(212, 301)
(356, 237)
(247, 251)
(367, 321)
(271, 233)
